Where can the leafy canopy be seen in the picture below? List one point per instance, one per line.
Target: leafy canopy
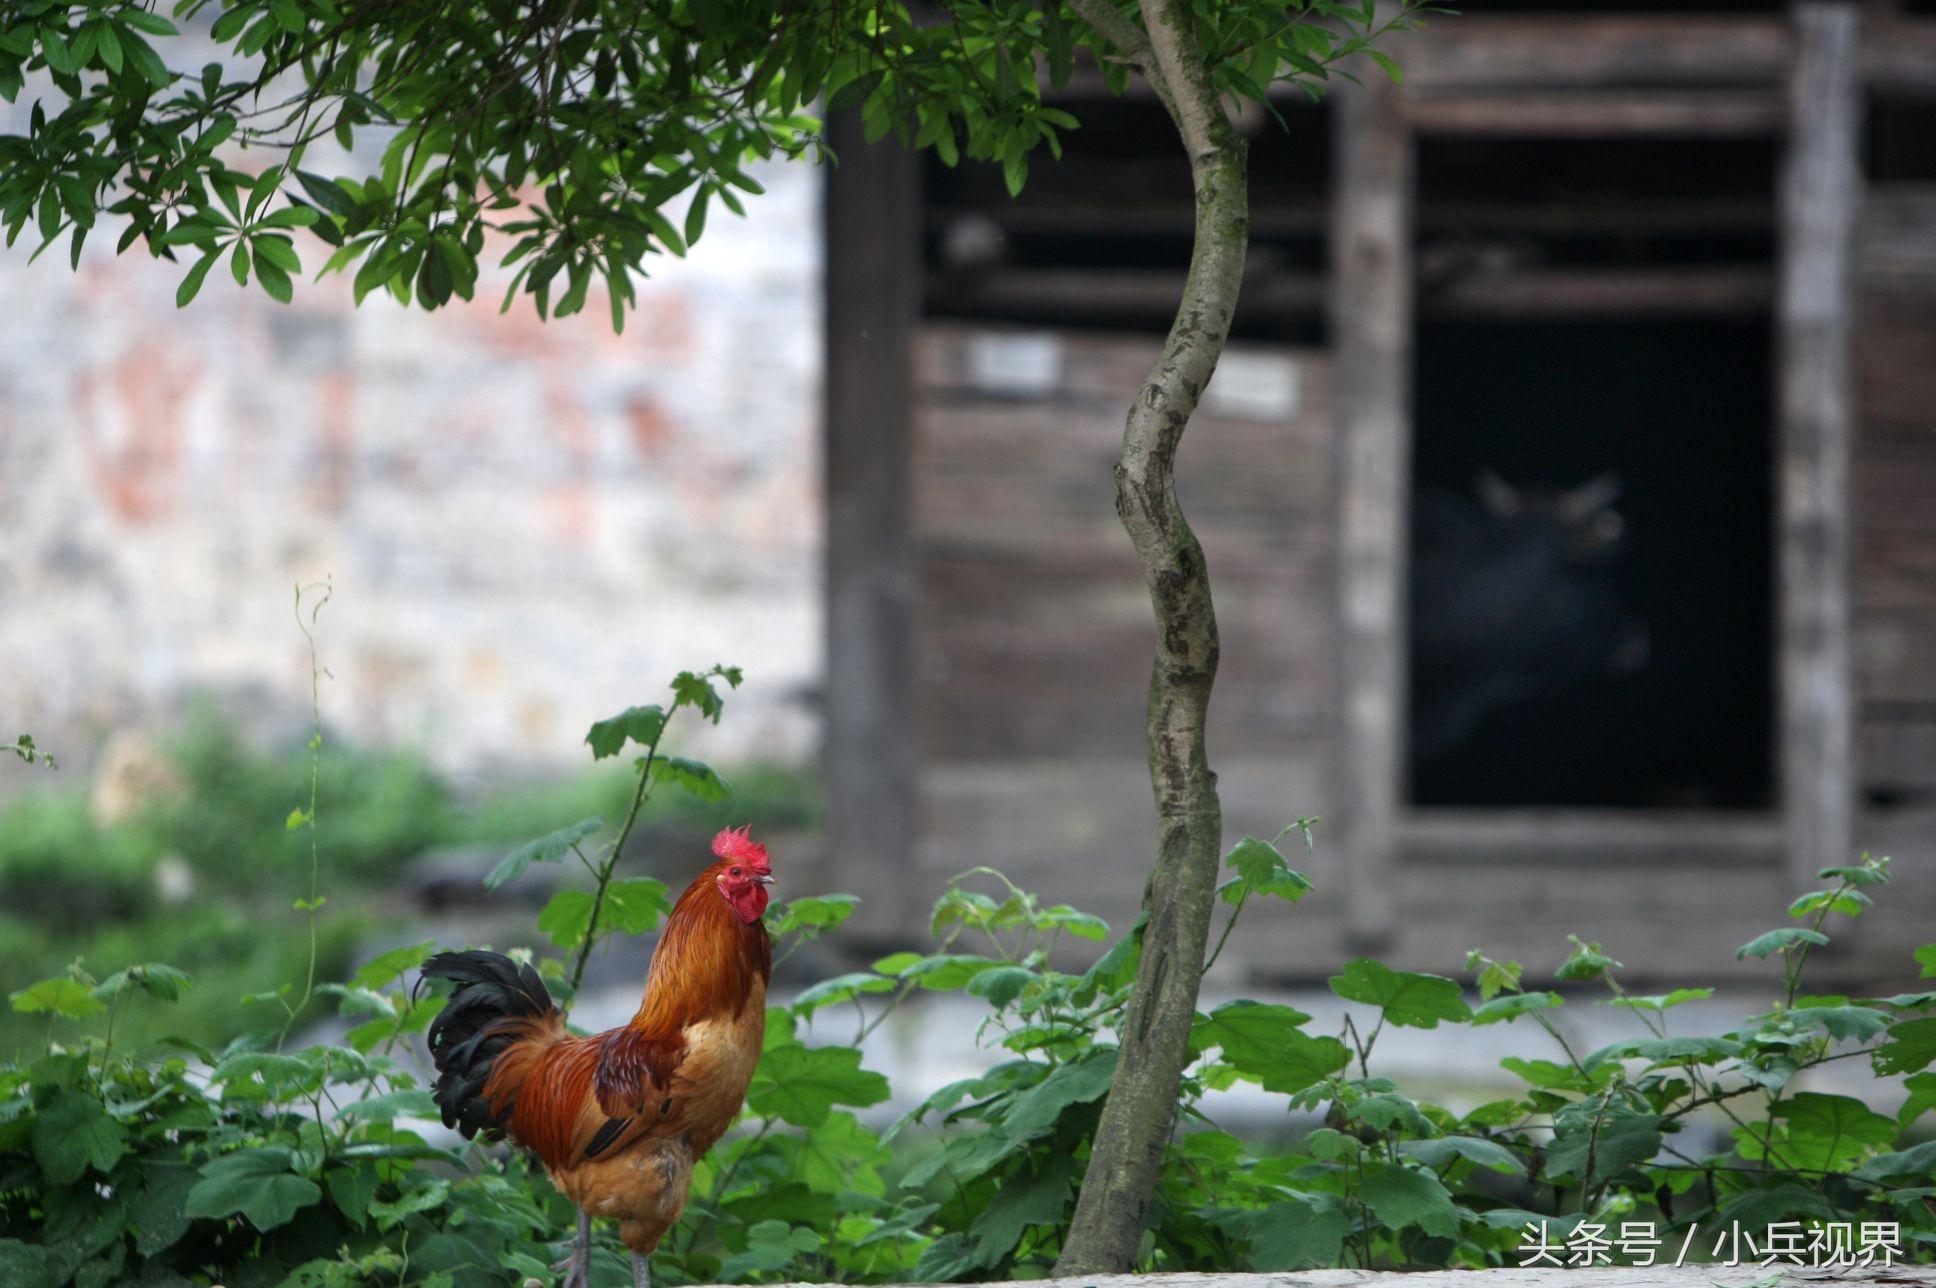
(572, 139)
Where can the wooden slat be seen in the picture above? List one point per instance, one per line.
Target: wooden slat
(873, 275)
(1577, 293)
(1820, 194)
(1898, 237)
(1371, 326)
(1602, 114)
(1598, 51)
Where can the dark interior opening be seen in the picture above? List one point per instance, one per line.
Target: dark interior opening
(1897, 134)
(1570, 646)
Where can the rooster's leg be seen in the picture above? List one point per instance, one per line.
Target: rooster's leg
(577, 1268)
(641, 1272)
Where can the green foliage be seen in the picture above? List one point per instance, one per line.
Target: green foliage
(578, 141)
(260, 1164)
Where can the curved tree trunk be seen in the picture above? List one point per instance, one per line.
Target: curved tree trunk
(1180, 897)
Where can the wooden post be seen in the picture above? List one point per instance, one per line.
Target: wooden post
(1371, 328)
(873, 266)
(1820, 197)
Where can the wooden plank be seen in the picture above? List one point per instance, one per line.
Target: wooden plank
(1371, 327)
(1898, 235)
(1602, 114)
(1597, 51)
(1626, 838)
(1819, 199)
(873, 276)
(1603, 292)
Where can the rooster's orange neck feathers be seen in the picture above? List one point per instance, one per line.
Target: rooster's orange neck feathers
(705, 964)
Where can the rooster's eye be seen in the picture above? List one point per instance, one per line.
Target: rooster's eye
(733, 871)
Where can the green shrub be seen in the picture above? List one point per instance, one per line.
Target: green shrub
(262, 1165)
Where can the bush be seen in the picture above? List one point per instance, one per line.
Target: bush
(259, 1165)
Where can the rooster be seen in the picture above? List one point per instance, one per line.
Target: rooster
(618, 1118)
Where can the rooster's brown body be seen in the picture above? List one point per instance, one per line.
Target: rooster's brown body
(618, 1118)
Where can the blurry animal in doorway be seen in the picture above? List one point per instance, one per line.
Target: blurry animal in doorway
(1515, 597)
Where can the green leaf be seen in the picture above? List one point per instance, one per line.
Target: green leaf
(1827, 1133)
(1922, 1098)
(1910, 1049)
(1509, 1006)
(1663, 1001)
(1002, 985)
(72, 1132)
(1477, 1149)
(771, 1246)
(1926, 958)
(1849, 903)
(1080, 1081)
(257, 1183)
(1385, 61)
(1613, 1136)
(841, 988)
(413, 1103)
(635, 906)
(1401, 1196)
(1406, 997)
(641, 725)
(567, 917)
(1843, 1022)
(1780, 941)
(1388, 1111)
(1294, 1235)
(549, 848)
(156, 980)
(158, 1212)
(815, 912)
(801, 1084)
(1665, 1050)
(192, 283)
(1918, 1161)
(387, 967)
(1035, 1200)
(60, 995)
(1262, 869)
(694, 776)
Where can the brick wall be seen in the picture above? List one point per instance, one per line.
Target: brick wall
(527, 525)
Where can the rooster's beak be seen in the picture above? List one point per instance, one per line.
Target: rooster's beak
(764, 881)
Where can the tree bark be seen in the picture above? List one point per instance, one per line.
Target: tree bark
(1179, 898)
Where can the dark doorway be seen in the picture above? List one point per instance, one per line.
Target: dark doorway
(1592, 564)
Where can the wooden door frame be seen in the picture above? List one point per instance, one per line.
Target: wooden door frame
(1372, 336)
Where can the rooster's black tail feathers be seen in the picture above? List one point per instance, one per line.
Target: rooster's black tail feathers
(469, 1034)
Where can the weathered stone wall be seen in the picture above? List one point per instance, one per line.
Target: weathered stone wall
(527, 526)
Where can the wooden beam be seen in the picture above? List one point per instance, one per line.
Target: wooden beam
(1371, 326)
(1698, 290)
(1595, 51)
(1602, 114)
(873, 267)
(1819, 197)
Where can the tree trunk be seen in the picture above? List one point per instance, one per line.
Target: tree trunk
(1180, 897)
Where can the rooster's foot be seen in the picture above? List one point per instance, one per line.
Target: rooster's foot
(577, 1268)
(641, 1272)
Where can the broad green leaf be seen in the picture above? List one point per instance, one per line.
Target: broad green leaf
(1827, 1133)
(1509, 1006)
(1926, 958)
(1002, 985)
(1613, 1136)
(152, 978)
(817, 912)
(385, 968)
(567, 918)
(641, 725)
(1402, 1196)
(412, 1103)
(1442, 1150)
(1843, 1022)
(1663, 1001)
(1922, 1098)
(771, 1246)
(1388, 1111)
(1018, 1204)
(801, 1084)
(1665, 1050)
(841, 988)
(72, 1132)
(1079, 1082)
(1910, 1049)
(60, 995)
(1406, 997)
(635, 906)
(1295, 1236)
(1918, 1161)
(1261, 869)
(1780, 941)
(257, 1183)
(695, 776)
(549, 848)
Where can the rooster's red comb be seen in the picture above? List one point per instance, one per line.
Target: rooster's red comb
(734, 844)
